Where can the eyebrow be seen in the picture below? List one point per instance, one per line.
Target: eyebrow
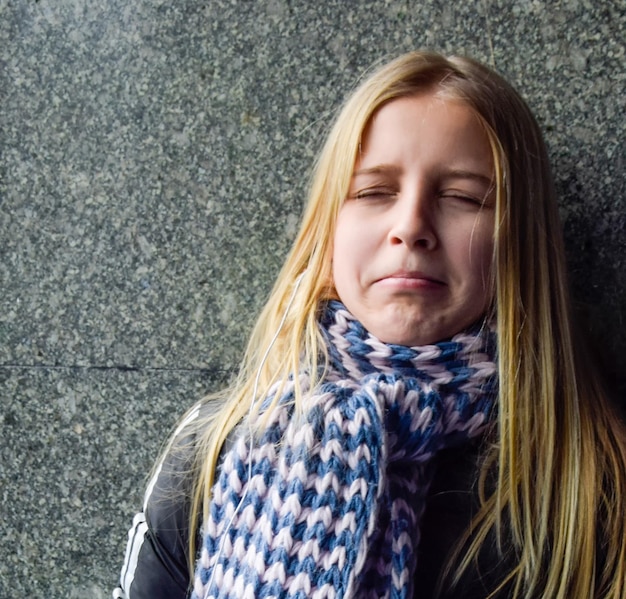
(462, 174)
(377, 170)
(452, 173)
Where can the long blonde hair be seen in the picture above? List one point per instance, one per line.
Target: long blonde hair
(559, 453)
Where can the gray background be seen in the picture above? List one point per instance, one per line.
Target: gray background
(154, 160)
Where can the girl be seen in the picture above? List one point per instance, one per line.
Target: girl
(414, 416)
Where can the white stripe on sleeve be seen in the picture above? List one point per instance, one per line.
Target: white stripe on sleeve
(136, 536)
(137, 533)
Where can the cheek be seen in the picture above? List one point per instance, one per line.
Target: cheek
(338, 253)
(481, 253)
(347, 257)
(340, 262)
(473, 253)
(341, 244)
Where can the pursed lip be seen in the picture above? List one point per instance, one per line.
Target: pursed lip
(411, 279)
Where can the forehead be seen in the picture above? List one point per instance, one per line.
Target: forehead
(427, 126)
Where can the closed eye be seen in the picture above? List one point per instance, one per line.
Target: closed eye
(465, 199)
(374, 193)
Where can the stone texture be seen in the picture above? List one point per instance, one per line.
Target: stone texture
(154, 161)
(77, 449)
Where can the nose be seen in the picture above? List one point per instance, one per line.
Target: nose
(412, 221)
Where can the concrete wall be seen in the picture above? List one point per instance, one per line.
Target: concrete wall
(154, 158)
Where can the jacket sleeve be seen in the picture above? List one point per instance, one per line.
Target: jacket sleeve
(156, 561)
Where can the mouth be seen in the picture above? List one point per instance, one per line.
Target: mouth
(411, 279)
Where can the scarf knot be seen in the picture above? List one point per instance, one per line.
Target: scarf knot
(329, 506)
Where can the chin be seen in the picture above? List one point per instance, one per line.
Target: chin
(410, 330)
(406, 338)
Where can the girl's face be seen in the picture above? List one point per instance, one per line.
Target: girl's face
(414, 238)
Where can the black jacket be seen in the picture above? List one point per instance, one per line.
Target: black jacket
(156, 563)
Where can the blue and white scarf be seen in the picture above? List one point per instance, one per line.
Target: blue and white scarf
(333, 506)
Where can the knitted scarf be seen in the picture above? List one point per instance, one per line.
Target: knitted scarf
(333, 504)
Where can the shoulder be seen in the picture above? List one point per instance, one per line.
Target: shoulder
(157, 554)
(168, 495)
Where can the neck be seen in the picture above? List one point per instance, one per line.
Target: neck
(353, 352)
